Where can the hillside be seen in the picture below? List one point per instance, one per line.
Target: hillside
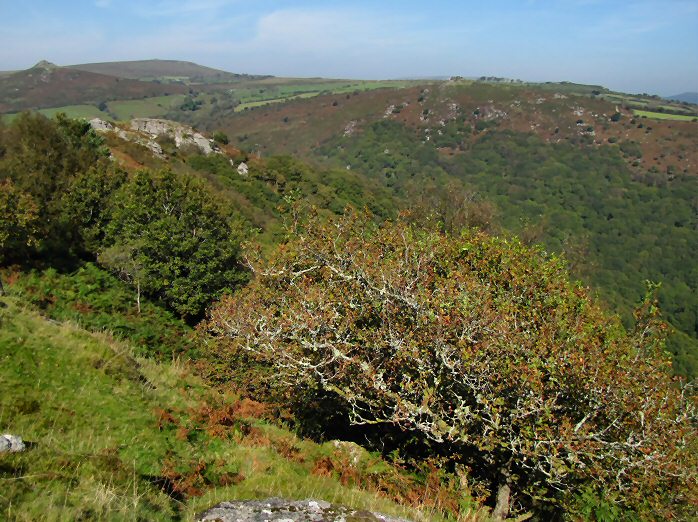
(605, 183)
(163, 70)
(148, 228)
(117, 436)
(47, 85)
(685, 97)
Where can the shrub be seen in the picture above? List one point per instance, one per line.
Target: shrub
(221, 137)
(479, 345)
(631, 148)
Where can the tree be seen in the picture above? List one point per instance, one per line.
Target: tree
(125, 262)
(41, 156)
(479, 345)
(185, 245)
(18, 221)
(86, 204)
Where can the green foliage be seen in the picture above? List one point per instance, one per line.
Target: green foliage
(221, 137)
(479, 345)
(618, 228)
(97, 301)
(191, 104)
(175, 240)
(18, 222)
(85, 205)
(631, 148)
(41, 157)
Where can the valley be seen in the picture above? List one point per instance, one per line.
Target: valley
(439, 299)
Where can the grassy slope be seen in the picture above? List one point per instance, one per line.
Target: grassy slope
(88, 407)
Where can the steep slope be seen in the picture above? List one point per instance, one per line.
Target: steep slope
(614, 191)
(47, 85)
(115, 437)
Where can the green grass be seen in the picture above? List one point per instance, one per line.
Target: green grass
(72, 111)
(664, 116)
(98, 301)
(121, 109)
(145, 108)
(88, 406)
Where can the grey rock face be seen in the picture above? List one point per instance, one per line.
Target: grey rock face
(101, 125)
(144, 131)
(282, 510)
(181, 134)
(11, 444)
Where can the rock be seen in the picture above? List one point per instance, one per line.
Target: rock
(181, 134)
(100, 125)
(243, 169)
(355, 452)
(11, 444)
(282, 510)
(144, 131)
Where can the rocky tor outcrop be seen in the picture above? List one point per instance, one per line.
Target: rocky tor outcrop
(145, 131)
(181, 134)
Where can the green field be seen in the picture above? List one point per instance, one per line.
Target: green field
(664, 116)
(145, 108)
(254, 94)
(120, 109)
(72, 111)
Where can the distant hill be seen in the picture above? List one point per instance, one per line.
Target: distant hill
(690, 97)
(48, 85)
(162, 70)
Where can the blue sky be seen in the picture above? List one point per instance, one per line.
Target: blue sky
(631, 45)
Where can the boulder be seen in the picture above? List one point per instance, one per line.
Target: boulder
(243, 169)
(11, 444)
(282, 510)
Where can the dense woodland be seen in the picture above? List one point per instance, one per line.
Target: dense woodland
(617, 228)
(396, 331)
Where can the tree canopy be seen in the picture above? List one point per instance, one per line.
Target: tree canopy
(481, 346)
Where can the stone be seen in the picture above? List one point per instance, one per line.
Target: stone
(243, 169)
(11, 444)
(283, 510)
(101, 125)
(182, 134)
(145, 131)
